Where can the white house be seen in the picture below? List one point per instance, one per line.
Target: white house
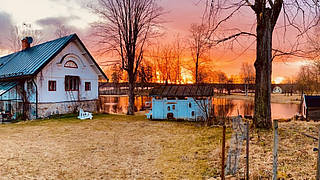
(55, 77)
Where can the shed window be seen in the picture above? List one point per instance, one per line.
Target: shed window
(189, 105)
(192, 113)
(70, 64)
(87, 86)
(168, 108)
(173, 107)
(52, 86)
(72, 83)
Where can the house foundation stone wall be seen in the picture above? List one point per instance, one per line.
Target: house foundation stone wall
(48, 109)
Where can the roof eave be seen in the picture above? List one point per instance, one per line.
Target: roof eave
(18, 78)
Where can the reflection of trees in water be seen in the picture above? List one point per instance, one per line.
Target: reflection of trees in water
(116, 108)
(116, 99)
(119, 104)
(248, 108)
(230, 107)
(223, 107)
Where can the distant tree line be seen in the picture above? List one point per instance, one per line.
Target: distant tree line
(308, 79)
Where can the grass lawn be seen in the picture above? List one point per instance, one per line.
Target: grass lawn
(109, 146)
(130, 147)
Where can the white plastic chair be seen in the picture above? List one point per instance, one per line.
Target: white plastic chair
(84, 115)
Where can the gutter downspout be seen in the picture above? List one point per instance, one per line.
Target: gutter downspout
(36, 97)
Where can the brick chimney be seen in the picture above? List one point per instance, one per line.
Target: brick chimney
(25, 42)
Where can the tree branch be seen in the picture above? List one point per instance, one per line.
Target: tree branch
(234, 36)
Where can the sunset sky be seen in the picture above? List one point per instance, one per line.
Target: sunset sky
(47, 14)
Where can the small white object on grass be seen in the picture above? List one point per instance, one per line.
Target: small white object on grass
(84, 115)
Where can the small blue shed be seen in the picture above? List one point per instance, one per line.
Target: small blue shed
(183, 102)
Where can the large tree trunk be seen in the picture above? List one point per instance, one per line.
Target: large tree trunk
(263, 65)
(131, 93)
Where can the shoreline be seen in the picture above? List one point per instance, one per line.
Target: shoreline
(275, 98)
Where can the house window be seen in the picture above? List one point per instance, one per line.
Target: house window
(52, 86)
(72, 83)
(87, 86)
(70, 64)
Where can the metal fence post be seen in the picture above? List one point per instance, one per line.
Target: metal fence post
(275, 149)
(247, 152)
(318, 160)
(223, 151)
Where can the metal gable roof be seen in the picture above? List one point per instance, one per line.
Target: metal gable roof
(6, 86)
(182, 91)
(30, 61)
(27, 62)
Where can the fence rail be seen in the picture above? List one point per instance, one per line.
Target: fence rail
(144, 88)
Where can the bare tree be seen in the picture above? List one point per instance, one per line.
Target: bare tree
(167, 61)
(145, 74)
(116, 75)
(305, 80)
(247, 75)
(124, 27)
(178, 51)
(19, 32)
(300, 15)
(308, 78)
(62, 31)
(199, 45)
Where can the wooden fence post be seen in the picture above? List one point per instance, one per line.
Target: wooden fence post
(275, 149)
(223, 151)
(318, 160)
(247, 152)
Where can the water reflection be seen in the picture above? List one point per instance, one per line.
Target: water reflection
(246, 107)
(222, 106)
(119, 104)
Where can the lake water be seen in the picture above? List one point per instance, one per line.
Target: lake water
(119, 104)
(222, 106)
(246, 107)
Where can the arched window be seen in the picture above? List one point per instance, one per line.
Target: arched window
(70, 64)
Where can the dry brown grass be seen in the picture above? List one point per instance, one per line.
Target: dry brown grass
(108, 147)
(297, 160)
(121, 147)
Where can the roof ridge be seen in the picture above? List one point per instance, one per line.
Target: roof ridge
(11, 66)
(71, 35)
